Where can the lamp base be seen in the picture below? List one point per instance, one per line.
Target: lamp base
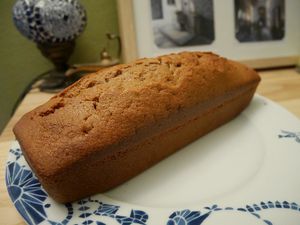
(58, 54)
(56, 81)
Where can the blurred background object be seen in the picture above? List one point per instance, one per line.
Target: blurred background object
(259, 20)
(182, 23)
(53, 25)
(21, 61)
(106, 59)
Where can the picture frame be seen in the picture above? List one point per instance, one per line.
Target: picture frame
(138, 39)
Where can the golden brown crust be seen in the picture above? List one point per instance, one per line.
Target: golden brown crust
(125, 104)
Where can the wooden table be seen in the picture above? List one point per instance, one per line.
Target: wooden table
(281, 86)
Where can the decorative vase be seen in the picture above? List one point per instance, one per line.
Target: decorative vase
(53, 25)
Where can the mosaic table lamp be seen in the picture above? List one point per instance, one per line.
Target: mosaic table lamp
(53, 25)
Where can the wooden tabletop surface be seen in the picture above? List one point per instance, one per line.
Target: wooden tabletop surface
(281, 86)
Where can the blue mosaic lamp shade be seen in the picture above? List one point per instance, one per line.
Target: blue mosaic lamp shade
(49, 21)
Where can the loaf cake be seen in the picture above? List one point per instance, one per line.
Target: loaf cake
(113, 124)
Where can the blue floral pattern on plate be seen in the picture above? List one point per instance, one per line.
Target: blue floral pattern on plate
(186, 217)
(33, 203)
(289, 134)
(26, 193)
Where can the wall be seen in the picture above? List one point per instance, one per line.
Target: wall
(21, 61)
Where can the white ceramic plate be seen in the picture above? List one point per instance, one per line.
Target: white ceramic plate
(246, 172)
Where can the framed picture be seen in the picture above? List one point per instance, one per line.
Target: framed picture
(259, 33)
